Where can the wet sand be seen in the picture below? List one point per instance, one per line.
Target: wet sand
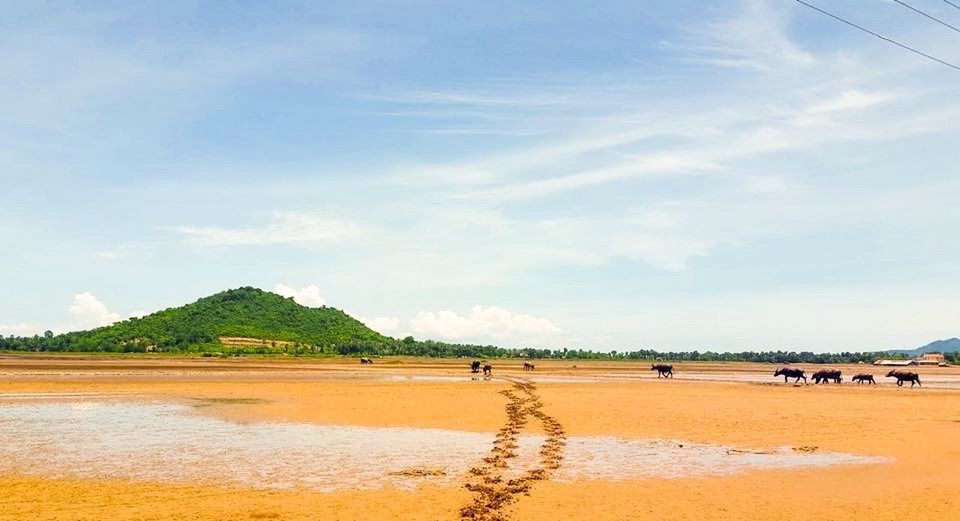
(915, 433)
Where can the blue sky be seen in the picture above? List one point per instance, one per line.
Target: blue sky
(610, 175)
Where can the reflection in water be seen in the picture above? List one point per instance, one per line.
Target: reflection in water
(156, 441)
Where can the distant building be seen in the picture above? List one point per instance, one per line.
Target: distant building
(930, 359)
(900, 363)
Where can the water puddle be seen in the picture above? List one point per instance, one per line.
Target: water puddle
(167, 442)
(208, 402)
(56, 396)
(429, 378)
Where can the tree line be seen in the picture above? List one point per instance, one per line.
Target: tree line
(198, 342)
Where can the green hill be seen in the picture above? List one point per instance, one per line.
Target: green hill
(251, 313)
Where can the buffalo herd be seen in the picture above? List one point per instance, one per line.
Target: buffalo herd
(824, 376)
(833, 375)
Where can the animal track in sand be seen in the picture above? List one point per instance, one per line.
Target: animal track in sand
(492, 490)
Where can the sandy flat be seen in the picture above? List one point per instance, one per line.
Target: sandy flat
(734, 404)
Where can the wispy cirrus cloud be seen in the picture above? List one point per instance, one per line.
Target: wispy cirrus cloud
(754, 38)
(850, 100)
(284, 227)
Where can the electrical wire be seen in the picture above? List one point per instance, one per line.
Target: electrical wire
(934, 18)
(884, 38)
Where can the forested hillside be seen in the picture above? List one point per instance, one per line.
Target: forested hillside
(243, 312)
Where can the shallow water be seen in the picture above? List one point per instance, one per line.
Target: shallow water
(167, 442)
(588, 376)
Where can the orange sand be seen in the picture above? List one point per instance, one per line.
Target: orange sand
(919, 428)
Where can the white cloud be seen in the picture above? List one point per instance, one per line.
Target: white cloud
(20, 329)
(139, 313)
(850, 100)
(283, 228)
(482, 324)
(107, 254)
(654, 164)
(306, 296)
(665, 252)
(383, 325)
(88, 312)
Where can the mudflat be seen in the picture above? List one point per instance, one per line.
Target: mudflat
(718, 441)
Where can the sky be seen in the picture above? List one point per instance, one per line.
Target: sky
(725, 175)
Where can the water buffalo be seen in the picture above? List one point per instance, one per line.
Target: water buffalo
(487, 370)
(528, 366)
(825, 375)
(365, 360)
(475, 366)
(786, 372)
(663, 370)
(864, 377)
(905, 376)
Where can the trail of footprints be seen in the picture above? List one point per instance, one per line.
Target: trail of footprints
(491, 491)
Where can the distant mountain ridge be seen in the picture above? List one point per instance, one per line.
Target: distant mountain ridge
(948, 345)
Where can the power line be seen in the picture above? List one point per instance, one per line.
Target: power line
(884, 38)
(953, 4)
(935, 19)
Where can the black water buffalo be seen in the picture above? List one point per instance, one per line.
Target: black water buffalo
(864, 378)
(475, 366)
(825, 375)
(663, 370)
(487, 370)
(905, 376)
(528, 366)
(786, 372)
